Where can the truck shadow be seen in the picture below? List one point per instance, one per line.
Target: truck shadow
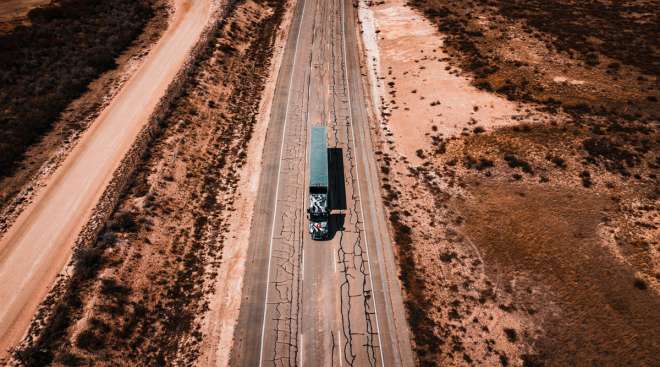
(337, 190)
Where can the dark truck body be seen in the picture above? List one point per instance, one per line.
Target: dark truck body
(318, 211)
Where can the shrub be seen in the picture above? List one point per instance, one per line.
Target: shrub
(89, 260)
(515, 162)
(558, 161)
(447, 257)
(640, 284)
(71, 359)
(511, 335)
(586, 178)
(124, 222)
(89, 340)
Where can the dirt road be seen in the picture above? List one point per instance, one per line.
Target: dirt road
(39, 244)
(328, 303)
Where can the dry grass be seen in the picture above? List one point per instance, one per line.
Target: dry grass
(550, 237)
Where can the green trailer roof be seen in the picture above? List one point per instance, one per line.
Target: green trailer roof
(318, 158)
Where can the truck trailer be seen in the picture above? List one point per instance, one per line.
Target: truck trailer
(318, 212)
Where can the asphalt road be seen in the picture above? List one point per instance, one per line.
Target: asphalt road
(320, 303)
(38, 245)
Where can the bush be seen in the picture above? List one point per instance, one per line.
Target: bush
(511, 335)
(71, 359)
(124, 222)
(558, 161)
(515, 162)
(34, 356)
(89, 260)
(586, 178)
(640, 284)
(89, 340)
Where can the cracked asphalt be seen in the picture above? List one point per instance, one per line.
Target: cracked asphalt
(320, 303)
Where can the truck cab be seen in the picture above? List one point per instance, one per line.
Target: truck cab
(318, 211)
(318, 214)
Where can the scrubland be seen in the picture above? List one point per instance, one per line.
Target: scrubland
(519, 162)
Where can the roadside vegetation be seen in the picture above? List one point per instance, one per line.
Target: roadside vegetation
(48, 63)
(137, 295)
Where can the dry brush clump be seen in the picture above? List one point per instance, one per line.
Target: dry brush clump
(137, 294)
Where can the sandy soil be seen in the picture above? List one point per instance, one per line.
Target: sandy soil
(513, 248)
(165, 286)
(221, 318)
(35, 249)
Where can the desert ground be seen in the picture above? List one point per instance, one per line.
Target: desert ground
(494, 188)
(519, 164)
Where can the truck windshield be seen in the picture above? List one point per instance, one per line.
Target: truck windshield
(318, 190)
(318, 217)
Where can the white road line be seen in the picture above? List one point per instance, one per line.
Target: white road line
(357, 175)
(341, 357)
(303, 264)
(277, 186)
(301, 349)
(334, 259)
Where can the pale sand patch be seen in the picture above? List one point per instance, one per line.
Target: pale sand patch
(224, 308)
(563, 79)
(409, 53)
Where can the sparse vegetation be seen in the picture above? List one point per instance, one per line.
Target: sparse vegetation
(525, 223)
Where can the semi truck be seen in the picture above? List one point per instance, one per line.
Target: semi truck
(318, 212)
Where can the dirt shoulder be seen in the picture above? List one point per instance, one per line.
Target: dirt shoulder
(46, 153)
(525, 222)
(138, 293)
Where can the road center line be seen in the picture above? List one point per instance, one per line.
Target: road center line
(303, 264)
(334, 260)
(277, 186)
(341, 356)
